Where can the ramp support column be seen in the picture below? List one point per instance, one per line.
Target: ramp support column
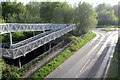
(10, 38)
(19, 63)
(44, 48)
(49, 45)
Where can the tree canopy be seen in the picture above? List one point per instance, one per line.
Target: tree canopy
(63, 13)
(107, 18)
(85, 17)
(107, 14)
(10, 9)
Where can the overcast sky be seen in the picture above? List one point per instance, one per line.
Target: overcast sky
(94, 2)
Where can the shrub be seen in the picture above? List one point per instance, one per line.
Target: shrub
(73, 48)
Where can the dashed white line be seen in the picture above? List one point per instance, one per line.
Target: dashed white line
(85, 65)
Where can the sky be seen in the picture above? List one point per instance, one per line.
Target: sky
(72, 2)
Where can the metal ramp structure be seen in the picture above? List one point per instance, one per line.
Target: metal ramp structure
(22, 48)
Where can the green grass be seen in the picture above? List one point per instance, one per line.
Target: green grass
(108, 29)
(48, 68)
(113, 71)
(113, 26)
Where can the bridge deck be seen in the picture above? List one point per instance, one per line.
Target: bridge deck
(24, 47)
(18, 27)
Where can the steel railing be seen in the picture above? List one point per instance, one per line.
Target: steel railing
(17, 27)
(22, 48)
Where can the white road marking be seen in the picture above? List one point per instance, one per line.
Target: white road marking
(106, 59)
(85, 65)
(102, 48)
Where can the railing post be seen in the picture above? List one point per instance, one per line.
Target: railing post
(44, 31)
(10, 38)
(33, 33)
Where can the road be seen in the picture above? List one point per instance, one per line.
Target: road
(90, 61)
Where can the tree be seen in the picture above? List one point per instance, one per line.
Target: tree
(103, 7)
(107, 14)
(119, 14)
(2, 21)
(7, 8)
(85, 17)
(115, 8)
(17, 36)
(47, 10)
(33, 12)
(63, 13)
(107, 18)
(12, 10)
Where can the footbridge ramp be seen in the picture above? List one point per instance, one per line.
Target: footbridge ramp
(50, 32)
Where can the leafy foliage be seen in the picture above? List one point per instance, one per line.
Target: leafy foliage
(85, 17)
(107, 18)
(10, 9)
(63, 13)
(76, 39)
(103, 7)
(17, 36)
(9, 72)
(107, 14)
(2, 21)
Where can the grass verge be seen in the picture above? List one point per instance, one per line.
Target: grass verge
(113, 71)
(104, 26)
(108, 29)
(48, 68)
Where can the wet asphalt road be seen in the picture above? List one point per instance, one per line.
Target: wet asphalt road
(90, 61)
